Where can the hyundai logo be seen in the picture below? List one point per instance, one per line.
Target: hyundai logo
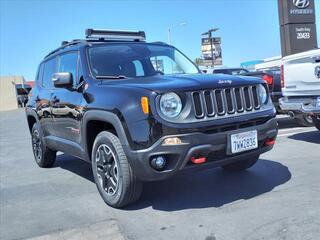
(301, 3)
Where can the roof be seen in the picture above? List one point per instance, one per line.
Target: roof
(75, 45)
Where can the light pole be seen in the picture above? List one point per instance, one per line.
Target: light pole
(169, 30)
(209, 33)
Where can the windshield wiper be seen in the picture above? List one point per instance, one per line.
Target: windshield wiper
(111, 77)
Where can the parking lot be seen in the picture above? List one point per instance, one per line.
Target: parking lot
(278, 198)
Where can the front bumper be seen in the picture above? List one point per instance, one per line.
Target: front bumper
(213, 146)
(304, 105)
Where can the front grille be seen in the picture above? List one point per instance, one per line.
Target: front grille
(228, 101)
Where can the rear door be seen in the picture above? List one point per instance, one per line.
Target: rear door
(302, 74)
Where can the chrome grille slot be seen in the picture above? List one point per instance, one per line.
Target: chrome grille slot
(220, 102)
(197, 103)
(256, 102)
(247, 98)
(209, 103)
(239, 99)
(229, 100)
(224, 102)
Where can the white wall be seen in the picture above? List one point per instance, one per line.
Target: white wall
(8, 95)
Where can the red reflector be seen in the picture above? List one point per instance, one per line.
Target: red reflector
(268, 79)
(270, 141)
(198, 160)
(282, 76)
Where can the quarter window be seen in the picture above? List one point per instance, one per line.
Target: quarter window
(139, 68)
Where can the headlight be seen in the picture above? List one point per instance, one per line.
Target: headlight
(263, 95)
(170, 105)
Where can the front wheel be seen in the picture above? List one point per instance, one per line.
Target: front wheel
(115, 180)
(241, 165)
(316, 121)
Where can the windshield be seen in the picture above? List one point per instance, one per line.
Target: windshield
(133, 60)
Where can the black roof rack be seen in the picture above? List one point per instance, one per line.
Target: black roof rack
(106, 34)
(101, 35)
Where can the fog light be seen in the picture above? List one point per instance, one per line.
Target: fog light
(172, 141)
(158, 162)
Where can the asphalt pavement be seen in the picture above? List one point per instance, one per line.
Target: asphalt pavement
(278, 198)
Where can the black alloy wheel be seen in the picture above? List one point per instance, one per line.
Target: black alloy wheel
(107, 169)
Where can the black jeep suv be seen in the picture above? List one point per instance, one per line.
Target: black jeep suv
(143, 111)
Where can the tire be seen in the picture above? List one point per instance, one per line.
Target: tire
(114, 178)
(44, 156)
(241, 165)
(304, 120)
(316, 121)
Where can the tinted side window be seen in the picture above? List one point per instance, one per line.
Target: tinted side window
(68, 63)
(49, 69)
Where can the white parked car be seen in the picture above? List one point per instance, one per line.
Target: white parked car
(300, 80)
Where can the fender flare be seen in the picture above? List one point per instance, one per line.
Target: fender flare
(32, 113)
(104, 116)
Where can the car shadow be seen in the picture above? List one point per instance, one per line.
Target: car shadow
(210, 188)
(311, 137)
(75, 165)
(287, 122)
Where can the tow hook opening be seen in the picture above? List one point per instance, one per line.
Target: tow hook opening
(198, 160)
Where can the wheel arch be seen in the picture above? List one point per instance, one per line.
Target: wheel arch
(95, 121)
(32, 118)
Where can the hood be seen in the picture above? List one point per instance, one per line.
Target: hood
(160, 83)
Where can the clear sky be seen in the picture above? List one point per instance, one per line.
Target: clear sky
(30, 29)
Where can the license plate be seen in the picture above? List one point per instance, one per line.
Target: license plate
(318, 102)
(244, 141)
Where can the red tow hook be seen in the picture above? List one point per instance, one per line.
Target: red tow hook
(270, 141)
(198, 160)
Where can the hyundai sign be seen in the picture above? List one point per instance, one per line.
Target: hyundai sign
(297, 26)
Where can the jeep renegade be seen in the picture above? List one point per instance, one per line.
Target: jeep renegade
(141, 111)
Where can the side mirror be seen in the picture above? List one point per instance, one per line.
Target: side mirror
(62, 80)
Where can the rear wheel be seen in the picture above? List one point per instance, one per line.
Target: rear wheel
(304, 120)
(115, 180)
(316, 121)
(44, 156)
(241, 165)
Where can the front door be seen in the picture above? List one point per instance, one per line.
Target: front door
(67, 104)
